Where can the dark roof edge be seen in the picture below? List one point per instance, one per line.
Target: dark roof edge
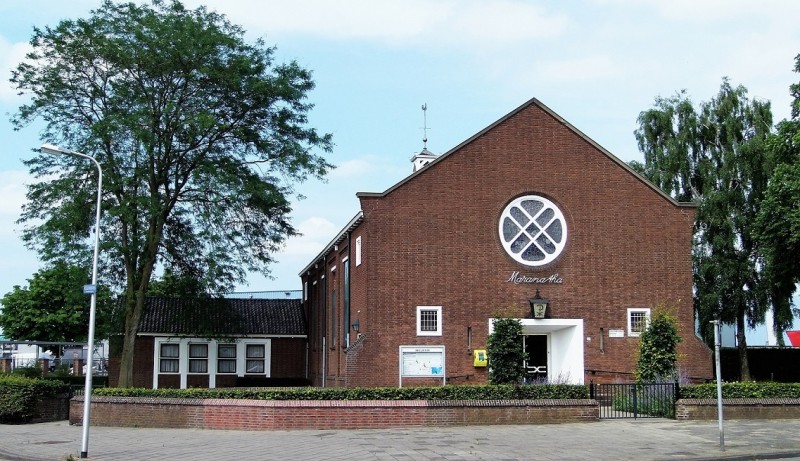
(339, 237)
(536, 102)
(189, 335)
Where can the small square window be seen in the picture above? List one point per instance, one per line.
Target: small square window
(429, 320)
(638, 319)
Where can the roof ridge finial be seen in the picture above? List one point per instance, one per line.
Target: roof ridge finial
(424, 126)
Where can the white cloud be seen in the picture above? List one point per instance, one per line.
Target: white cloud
(419, 22)
(316, 233)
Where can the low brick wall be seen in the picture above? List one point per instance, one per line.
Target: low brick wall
(261, 415)
(52, 409)
(706, 409)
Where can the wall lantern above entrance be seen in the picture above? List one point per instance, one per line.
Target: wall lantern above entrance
(538, 306)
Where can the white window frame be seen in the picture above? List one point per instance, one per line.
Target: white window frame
(637, 310)
(438, 311)
(234, 359)
(262, 360)
(198, 358)
(183, 358)
(358, 251)
(170, 357)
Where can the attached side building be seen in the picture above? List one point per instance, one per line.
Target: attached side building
(212, 342)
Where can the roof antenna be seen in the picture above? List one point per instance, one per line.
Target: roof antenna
(424, 126)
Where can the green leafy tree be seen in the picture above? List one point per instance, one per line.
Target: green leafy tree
(169, 285)
(52, 307)
(505, 352)
(658, 349)
(201, 137)
(778, 223)
(718, 157)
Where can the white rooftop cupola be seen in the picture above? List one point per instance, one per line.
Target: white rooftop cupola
(425, 156)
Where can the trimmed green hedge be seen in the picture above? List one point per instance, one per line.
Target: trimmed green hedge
(744, 390)
(78, 381)
(501, 392)
(19, 396)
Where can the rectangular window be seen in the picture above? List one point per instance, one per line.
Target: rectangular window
(638, 319)
(198, 358)
(255, 354)
(429, 320)
(358, 251)
(346, 302)
(334, 325)
(226, 358)
(169, 358)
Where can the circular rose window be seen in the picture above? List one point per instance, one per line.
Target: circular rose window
(533, 230)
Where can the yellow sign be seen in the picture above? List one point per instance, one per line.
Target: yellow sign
(479, 358)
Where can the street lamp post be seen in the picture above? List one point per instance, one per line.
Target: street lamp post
(87, 395)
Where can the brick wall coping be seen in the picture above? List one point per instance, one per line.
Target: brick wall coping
(741, 402)
(343, 403)
(242, 414)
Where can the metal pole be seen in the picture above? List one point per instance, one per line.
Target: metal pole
(87, 393)
(717, 327)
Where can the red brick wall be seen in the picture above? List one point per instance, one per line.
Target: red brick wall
(166, 381)
(197, 381)
(288, 358)
(52, 409)
(291, 415)
(434, 241)
(142, 364)
(706, 409)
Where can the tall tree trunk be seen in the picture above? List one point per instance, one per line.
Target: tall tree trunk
(138, 283)
(741, 342)
(134, 305)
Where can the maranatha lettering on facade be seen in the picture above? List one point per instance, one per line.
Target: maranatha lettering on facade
(517, 278)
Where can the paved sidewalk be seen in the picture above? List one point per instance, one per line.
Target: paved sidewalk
(657, 439)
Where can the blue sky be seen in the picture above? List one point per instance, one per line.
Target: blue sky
(597, 63)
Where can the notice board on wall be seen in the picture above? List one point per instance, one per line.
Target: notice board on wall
(422, 362)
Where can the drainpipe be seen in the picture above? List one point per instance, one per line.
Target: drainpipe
(324, 361)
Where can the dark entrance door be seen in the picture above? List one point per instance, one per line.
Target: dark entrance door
(536, 365)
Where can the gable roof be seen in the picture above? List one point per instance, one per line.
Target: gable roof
(359, 218)
(223, 317)
(537, 103)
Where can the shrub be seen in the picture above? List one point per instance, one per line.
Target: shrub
(493, 392)
(19, 397)
(78, 381)
(743, 390)
(658, 353)
(505, 352)
(32, 372)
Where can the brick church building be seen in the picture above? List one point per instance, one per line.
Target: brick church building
(528, 218)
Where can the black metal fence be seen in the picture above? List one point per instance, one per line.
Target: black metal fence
(648, 400)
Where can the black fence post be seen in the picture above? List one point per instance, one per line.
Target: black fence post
(591, 389)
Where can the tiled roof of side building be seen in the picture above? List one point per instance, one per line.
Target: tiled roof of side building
(223, 317)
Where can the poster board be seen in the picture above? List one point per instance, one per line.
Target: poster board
(422, 362)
